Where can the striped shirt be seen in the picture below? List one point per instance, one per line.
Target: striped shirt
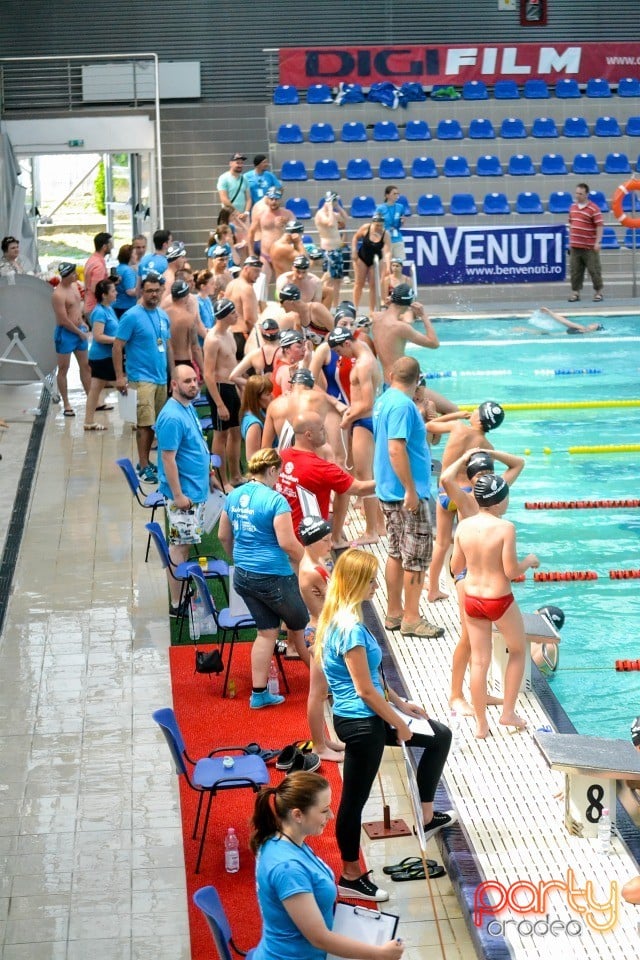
(583, 224)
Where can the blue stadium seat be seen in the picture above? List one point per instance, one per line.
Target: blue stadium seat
(536, 89)
(553, 165)
(488, 166)
(456, 167)
(321, 133)
(391, 168)
(405, 203)
(319, 93)
(575, 127)
(363, 207)
(506, 90)
(632, 238)
(609, 239)
(417, 130)
(632, 128)
(585, 164)
(449, 130)
(385, 130)
(629, 87)
(474, 90)
(353, 132)
(299, 207)
(293, 170)
(481, 129)
(567, 89)
(496, 204)
(463, 205)
(560, 201)
(285, 95)
(358, 168)
(607, 127)
(598, 87)
(423, 167)
(528, 203)
(544, 127)
(617, 163)
(628, 202)
(289, 133)
(326, 169)
(521, 165)
(599, 199)
(512, 128)
(429, 205)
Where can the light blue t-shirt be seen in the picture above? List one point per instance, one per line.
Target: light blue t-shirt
(128, 279)
(283, 870)
(247, 421)
(396, 417)
(102, 351)
(259, 183)
(251, 509)
(178, 428)
(237, 189)
(153, 263)
(393, 214)
(205, 309)
(141, 329)
(337, 642)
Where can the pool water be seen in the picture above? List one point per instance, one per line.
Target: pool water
(501, 360)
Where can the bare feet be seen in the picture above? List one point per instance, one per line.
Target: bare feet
(340, 544)
(4, 425)
(327, 754)
(494, 701)
(513, 720)
(365, 540)
(336, 745)
(461, 707)
(482, 730)
(433, 597)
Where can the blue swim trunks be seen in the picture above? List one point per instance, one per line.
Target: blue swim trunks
(445, 500)
(67, 342)
(366, 422)
(333, 262)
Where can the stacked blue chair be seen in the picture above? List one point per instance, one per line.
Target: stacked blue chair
(506, 90)
(326, 169)
(391, 168)
(536, 89)
(598, 87)
(512, 128)
(319, 93)
(585, 164)
(385, 130)
(599, 199)
(567, 89)
(632, 128)
(321, 133)
(293, 170)
(544, 128)
(632, 238)
(521, 165)
(353, 132)
(480, 128)
(359, 168)
(299, 207)
(609, 239)
(289, 133)
(417, 130)
(629, 87)
(553, 165)
(363, 207)
(575, 127)
(630, 204)
(475, 90)
(405, 204)
(456, 167)
(429, 205)
(208, 901)
(560, 201)
(607, 127)
(528, 203)
(463, 205)
(495, 204)
(488, 166)
(617, 163)
(285, 95)
(423, 167)
(449, 130)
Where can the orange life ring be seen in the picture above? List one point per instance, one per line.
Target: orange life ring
(616, 204)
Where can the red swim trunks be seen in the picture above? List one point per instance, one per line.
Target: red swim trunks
(487, 608)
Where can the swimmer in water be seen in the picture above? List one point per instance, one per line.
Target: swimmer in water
(571, 326)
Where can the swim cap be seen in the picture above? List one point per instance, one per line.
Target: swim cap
(289, 337)
(293, 226)
(222, 308)
(252, 262)
(346, 307)
(554, 614)
(290, 292)
(573, 330)
(478, 462)
(377, 218)
(301, 263)
(270, 329)
(302, 375)
(635, 732)
(330, 196)
(363, 323)
(274, 193)
(152, 277)
(314, 252)
(490, 489)
(218, 251)
(397, 260)
(403, 294)
(179, 289)
(312, 529)
(491, 415)
(176, 250)
(65, 269)
(339, 336)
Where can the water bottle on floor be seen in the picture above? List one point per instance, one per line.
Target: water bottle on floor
(455, 732)
(604, 831)
(273, 683)
(231, 851)
(196, 618)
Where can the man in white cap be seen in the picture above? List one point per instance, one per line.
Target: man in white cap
(233, 186)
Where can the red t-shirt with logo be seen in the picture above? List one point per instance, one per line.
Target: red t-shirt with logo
(301, 468)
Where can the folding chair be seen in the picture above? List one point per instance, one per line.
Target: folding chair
(153, 501)
(207, 900)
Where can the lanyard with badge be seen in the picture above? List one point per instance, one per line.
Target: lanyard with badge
(157, 330)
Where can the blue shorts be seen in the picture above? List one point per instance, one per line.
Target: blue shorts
(67, 342)
(333, 263)
(445, 500)
(366, 422)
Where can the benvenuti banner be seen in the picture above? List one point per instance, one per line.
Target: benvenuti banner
(447, 64)
(472, 255)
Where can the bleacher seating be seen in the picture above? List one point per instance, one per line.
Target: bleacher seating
(599, 199)
(449, 130)
(553, 165)
(544, 127)
(319, 93)
(475, 90)
(506, 90)
(536, 89)
(521, 165)
(512, 128)
(456, 167)
(632, 128)
(629, 87)
(496, 204)
(609, 239)
(617, 163)
(598, 87)
(289, 133)
(363, 207)
(560, 201)
(321, 133)
(326, 170)
(481, 129)
(585, 164)
(567, 89)
(406, 212)
(285, 95)
(299, 207)
(391, 168)
(353, 132)
(528, 202)
(423, 167)
(575, 127)
(359, 168)
(488, 166)
(429, 205)
(293, 170)
(385, 130)
(417, 130)
(632, 238)
(607, 127)
(463, 205)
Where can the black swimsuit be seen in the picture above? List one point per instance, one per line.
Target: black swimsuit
(371, 248)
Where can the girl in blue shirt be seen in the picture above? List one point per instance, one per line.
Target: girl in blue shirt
(296, 889)
(104, 325)
(127, 290)
(256, 397)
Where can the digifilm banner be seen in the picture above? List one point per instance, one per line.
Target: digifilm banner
(471, 255)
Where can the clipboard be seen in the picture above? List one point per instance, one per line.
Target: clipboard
(415, 724)
(128, 406)
(367, 926)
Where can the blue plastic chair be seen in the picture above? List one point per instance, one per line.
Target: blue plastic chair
(321, 133)
(598, 87)
(285, 95)
(293, 170)
(506, 90)
(475, 90)
(208, 776)
(358, 168)
(417, 130)
(528, 203)
(617, 163)
(326, 170)
(632, 128)
(632, 238)
(628, 203)
(599, 199)
(449, 130)
(512, 128)
(207, 900)
(423, 168)
(495, 204)
(463, 205)
(480, 128)
(488, 166)
(152, 501)
(456, 167)
(385, 130)
(406, 205)
(575, 127)
(585, 164)
(607, 127)
(629, 87)
(536, 89)
(319, 93)
(363, 207)
(567, 89)
(429, 205)
(289, 133)
(521, 165)
(560, 201)
(609, 239)
(299, 207)
(353, 132)
(553, 165)
(544, 128)
(391, 168)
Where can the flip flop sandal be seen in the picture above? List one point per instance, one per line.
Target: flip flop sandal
(268, 755)
(598, 297)
(573, 298)
(406, 864)
(392, 623)
(69, 412)
(253, 748)
(104, 406)
(417, 873)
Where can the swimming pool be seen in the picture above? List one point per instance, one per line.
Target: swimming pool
(602, 616)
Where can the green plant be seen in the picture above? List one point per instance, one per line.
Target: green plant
(99, 190)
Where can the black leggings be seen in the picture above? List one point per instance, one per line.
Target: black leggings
(365, 739)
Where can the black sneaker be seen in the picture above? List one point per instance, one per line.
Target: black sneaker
(361, 889)
(309, 762)
(439, 821)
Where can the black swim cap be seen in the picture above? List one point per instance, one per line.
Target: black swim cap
(403, 294)
(270, 329)
(290, 292)
(339, 336)
(491, 415)
(573, 330)
(302, 375)
(312, 529)
(490, 489)
(223, 307)
(554, 614)
(346, 308)
(478, 462)
(635, 732)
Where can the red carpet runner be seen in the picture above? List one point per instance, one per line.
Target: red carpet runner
(207, 721)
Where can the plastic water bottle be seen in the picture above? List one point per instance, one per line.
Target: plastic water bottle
(196, 618)
(273, 683)
(604, 831)
(231, 689)
(455, 732)
(231, 851)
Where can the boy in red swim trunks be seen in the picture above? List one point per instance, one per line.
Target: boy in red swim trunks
(486, 545)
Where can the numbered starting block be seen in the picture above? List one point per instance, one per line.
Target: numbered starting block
(542, 646)
(592, 765)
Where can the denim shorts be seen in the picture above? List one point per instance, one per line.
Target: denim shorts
(271, 599)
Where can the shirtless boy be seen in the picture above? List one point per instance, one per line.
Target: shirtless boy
(312, 318)
(486, 545)
(330, 220)
(224, 400)
(71, 333)
(183, 314)
(307, 283)
(242, 292)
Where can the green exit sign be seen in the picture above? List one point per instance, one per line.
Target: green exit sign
(75, 143)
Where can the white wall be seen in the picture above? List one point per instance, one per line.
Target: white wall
(112, 134)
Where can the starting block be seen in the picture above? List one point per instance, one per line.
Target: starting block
(542, 637)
